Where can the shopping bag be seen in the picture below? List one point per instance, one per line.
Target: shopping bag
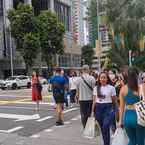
(120, 137)
(89, 130)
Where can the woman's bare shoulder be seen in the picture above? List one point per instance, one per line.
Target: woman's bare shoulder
(124, 90)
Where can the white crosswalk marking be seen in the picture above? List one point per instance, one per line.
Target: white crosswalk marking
(45, 118)
(12, 130)
(69, 110)
(19, 117)
(15, 129)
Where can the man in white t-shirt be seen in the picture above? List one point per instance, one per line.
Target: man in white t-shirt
(85, 84)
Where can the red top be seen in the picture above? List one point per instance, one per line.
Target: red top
(36, 95)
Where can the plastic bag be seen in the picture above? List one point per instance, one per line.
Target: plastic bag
(93, 130)
(89, 130)
(120, 137)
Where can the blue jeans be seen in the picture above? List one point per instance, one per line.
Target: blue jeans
(135, 132)
(104, 115)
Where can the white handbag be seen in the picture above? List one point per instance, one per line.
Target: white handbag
(140, 109)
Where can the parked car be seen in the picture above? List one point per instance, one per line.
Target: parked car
(15, 82)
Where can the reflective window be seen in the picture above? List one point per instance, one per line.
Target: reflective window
(63, 13)
(16, 2)
(1, 7)
(39, 5)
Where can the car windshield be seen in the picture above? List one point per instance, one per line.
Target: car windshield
(11, 78)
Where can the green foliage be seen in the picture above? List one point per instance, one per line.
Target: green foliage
(51, 35)
(87, 54)
(127, 17)
(32, 32)
(118, 56)
(31, 46)
(24, 26)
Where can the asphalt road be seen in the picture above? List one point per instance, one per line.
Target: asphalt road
(18, 115)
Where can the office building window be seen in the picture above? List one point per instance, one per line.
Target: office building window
(44, 4)
(39, 5)
(16, 2)
(63, 13)
(1, 7)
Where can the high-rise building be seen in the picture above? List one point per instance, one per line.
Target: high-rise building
(78, 21)
(102, 46)
(86, 24)
(63, 9)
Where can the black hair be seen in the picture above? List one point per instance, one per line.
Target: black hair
(58, 70)
(99, 84)
(133, 78)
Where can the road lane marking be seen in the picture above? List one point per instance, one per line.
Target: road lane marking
(3, 131)
(48, 130)
(13, 101)
(67, 122)
(35, 136)
(19, 117)
(44, 118)
(14, 129)
(70, 110)
(43, 103)
(22, 102)
(26, 108)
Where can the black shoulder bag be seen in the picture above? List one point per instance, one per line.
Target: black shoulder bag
(87, 83)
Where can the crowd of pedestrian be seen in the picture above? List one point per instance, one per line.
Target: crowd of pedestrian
(109, 97)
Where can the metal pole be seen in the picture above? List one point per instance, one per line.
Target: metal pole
(130, 58)
(99, 39)
(11, 52)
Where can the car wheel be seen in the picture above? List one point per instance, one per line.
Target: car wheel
(29, 85)
(14, 86)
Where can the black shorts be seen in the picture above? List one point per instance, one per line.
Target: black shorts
(59, 99)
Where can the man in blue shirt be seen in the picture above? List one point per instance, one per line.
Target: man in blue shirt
(58, 88)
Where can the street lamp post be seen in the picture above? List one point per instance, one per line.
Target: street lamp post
(130, 58)
(11, 55)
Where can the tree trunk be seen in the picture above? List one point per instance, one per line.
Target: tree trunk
(28, 70)
(50, 65)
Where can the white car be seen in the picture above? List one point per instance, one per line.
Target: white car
(15, 82)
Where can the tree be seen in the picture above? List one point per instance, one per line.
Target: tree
(24, 29)
(118, 56)
(127, 19)
(51, 36)
(31, 44)
(87, 54)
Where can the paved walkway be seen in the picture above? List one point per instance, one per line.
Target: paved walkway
(69, 134)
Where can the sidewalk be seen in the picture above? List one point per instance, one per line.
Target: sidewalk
(69, 134)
